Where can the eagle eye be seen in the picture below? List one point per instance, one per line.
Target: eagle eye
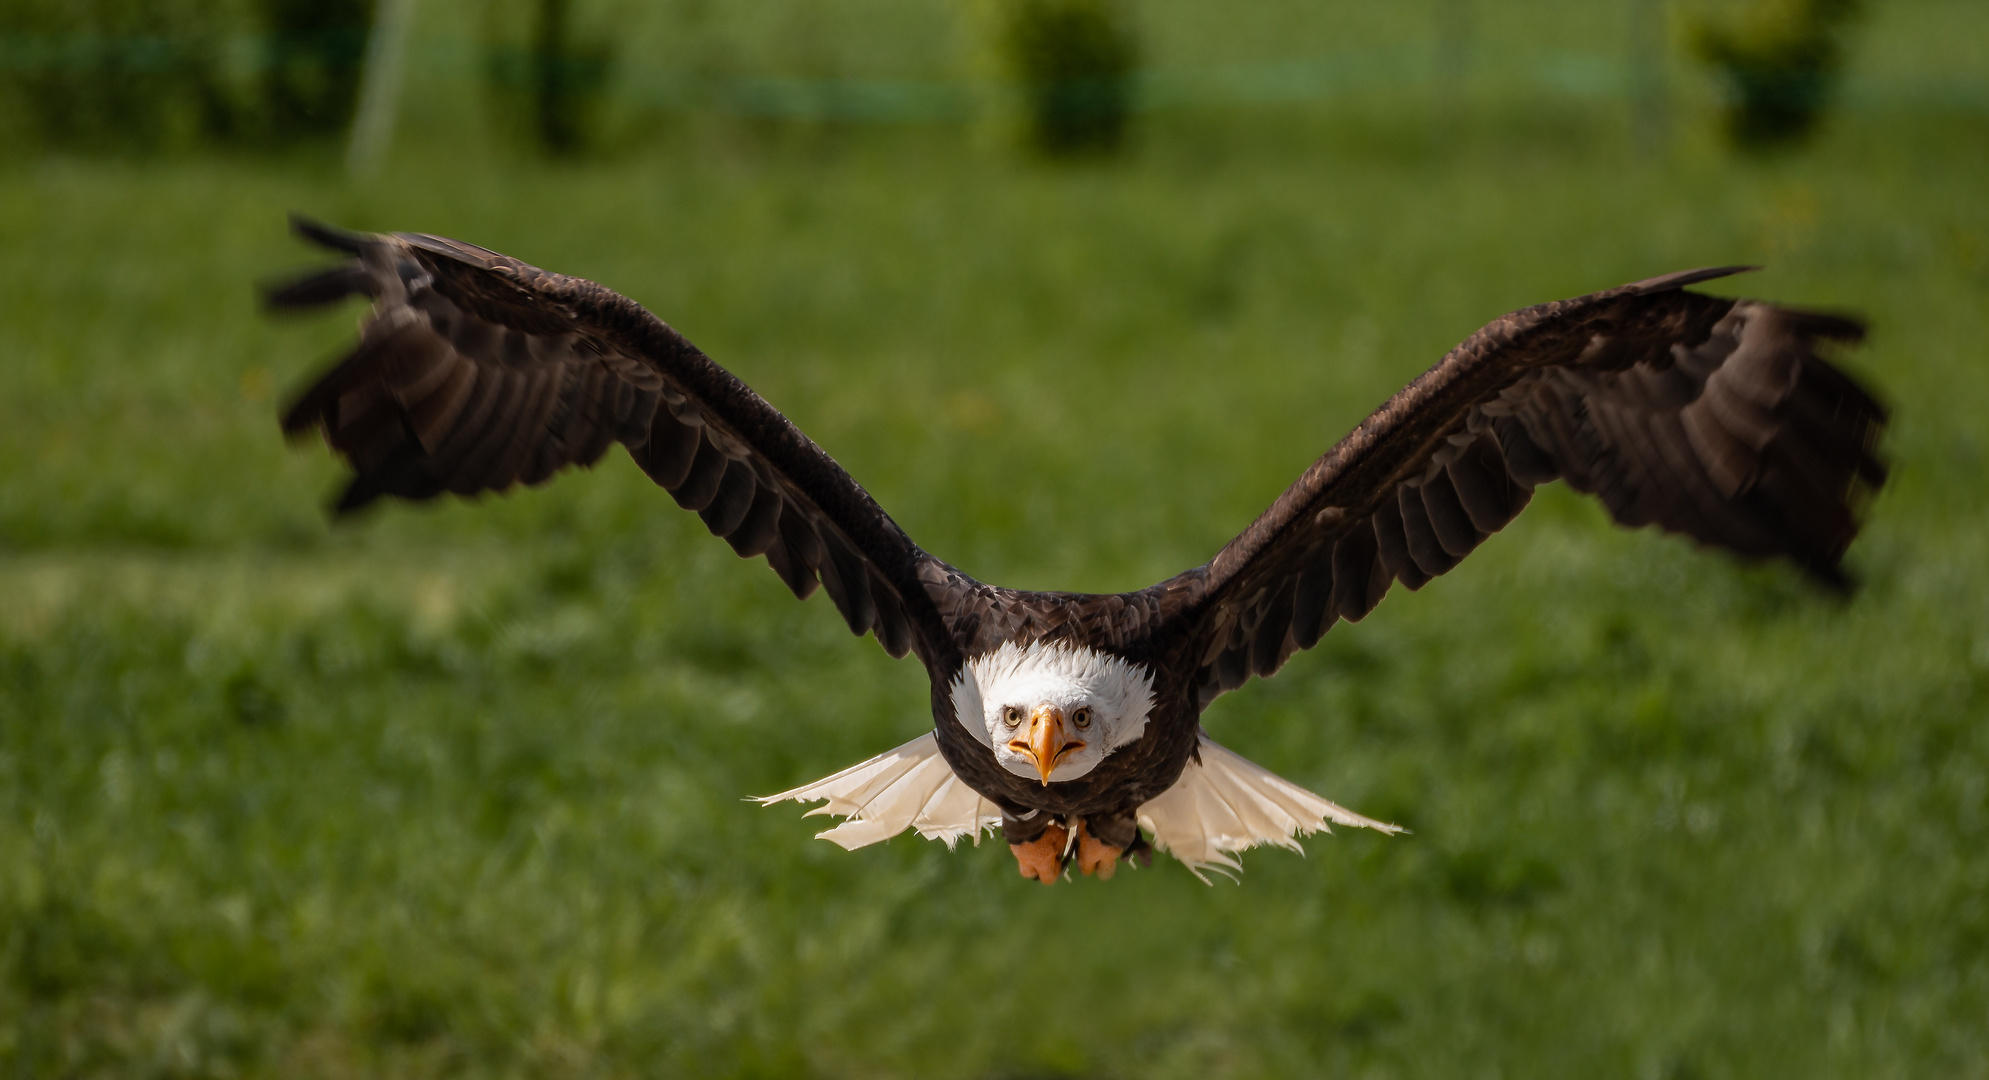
(1082, 717)
(1011, 715)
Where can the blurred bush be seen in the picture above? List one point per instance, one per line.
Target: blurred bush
(127, 74)
(149, 75)
(1781, 59)
(316, 50)
(1075, 60)
(548, 77)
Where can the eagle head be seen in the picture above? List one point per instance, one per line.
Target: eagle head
(1051, 711)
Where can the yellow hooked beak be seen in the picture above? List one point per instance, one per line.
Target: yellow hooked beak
(1047, 742)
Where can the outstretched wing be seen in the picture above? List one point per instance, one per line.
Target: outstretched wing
(476, 372)
(1709, 417)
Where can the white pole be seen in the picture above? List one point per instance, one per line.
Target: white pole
(1647, 82)
(380, 89)
(1455, 30)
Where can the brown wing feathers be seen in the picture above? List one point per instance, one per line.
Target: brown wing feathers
(1702, 416)
(476, 372)
(1708, 417)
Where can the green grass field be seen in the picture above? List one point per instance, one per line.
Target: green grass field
(457, 791)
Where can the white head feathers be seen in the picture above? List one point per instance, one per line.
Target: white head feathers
(1067, 676)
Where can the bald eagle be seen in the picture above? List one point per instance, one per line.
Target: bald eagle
(1071, 721)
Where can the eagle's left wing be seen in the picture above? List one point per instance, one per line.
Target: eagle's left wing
(475, 372)
(1710, 417)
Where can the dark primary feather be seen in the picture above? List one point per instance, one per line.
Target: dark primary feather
(476, 372)
(1713, 418)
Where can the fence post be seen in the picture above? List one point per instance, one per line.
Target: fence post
(380, 88)
(1647, 76)
(1456, 33)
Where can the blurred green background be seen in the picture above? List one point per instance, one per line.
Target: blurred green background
(456, 791)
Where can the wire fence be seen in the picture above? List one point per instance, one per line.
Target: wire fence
(1281, 81)
(143, 88)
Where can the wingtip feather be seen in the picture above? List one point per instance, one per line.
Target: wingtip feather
(1834, 325)
(330, 236)
(459, 250)
(364, 490)
(1679, 280)
(316, 289)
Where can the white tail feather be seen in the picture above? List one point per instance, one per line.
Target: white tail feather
(910, 787)
(1219, 807)
(1227, 804)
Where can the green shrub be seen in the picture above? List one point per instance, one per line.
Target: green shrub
(314, 53)
(149, 75)
(124, 74)
(1780, 61)
(551, 87)
(1075, 60)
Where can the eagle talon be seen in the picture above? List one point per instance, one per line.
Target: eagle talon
(1095, 856)
(1042, 859)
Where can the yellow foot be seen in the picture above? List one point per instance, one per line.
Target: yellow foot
(1043, 857)
(1095, 856)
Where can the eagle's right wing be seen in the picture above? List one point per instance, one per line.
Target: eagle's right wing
(476, 372)
(1705, 416)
